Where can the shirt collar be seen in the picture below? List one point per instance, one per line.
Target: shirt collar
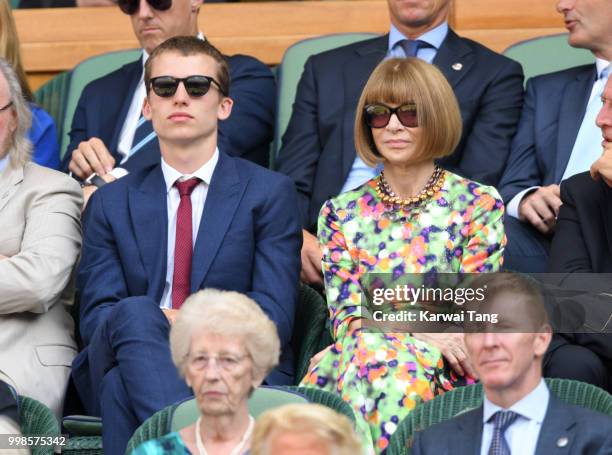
(433, 37)
(145, 54)
(205, 173)
(601, 65)
(4, 162)
(532, 406)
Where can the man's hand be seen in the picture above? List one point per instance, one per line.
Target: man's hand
(91, 189)
(452, 347)
(170, 314)
(91, 157)
(311, 260)
(541, 208)
(602, 168)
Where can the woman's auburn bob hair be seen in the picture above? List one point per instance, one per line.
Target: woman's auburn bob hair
(400, 81)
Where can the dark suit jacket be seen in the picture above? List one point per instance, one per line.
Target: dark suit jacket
(247, 133)
(249, 241)
(588, 433)
(318, 148)
(552, 114)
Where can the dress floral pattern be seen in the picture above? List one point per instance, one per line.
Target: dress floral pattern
(385, 375)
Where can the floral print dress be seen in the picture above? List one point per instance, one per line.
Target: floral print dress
(385, 375)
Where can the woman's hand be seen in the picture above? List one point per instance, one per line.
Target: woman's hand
(317, 357)
(452, 347)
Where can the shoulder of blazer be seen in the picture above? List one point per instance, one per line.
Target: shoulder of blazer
(118, 78)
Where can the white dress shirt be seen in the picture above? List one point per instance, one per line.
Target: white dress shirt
(4, 162)
(173, 199)
(513, 206)
(522, 435)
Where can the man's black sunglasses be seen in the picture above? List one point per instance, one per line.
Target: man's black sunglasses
(131, 6)
(196, 86)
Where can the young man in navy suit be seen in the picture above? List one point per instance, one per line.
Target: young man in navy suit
(109, 137)
(318, 150)
(197, 219)
(556, 138)
(519, 414)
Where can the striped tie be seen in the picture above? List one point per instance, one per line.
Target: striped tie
(142, 136)
(501, 421)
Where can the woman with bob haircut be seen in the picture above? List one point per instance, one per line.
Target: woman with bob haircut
(224, 345)
(304, 428)
(415, 217)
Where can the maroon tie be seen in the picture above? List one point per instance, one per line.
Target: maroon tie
(183, 246)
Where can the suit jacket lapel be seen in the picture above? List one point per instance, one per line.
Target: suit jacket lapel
(355, 75)
(573, 108)
(149, 217)
(606, 211)
(9, 183)
(131, 73)
(454, 58)
(224, 194)
(558, 424)
(470, 431)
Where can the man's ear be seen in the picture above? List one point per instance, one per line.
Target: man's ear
(225, 108)
(195, 5)
(146, 108)
(542, 341)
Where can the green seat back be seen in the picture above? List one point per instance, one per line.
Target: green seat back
(52, 97)
(547, 54)
(84, 73)
(36, 419)
(291, 69)
(463, 399)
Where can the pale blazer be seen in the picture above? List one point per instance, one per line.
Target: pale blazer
(40, 233)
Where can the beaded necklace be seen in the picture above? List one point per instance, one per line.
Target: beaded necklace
(432, 186)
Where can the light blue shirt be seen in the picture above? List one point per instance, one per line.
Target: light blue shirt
(522, 435)
(4, 162)
(361, 172)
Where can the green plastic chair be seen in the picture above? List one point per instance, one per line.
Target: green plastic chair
(547, 54)
(84, 73)
(36, 419)
(462, 399)
(290, 71)
(309, 332)
(177, 416)
(52, 97)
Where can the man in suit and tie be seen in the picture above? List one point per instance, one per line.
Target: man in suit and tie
(109, 136)
(556, 138)
(198, 219)
(519, 415)
(318, 150)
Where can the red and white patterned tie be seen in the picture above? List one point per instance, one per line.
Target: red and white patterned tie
(183, 246)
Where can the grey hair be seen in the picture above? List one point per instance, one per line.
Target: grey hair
(20, 147)
(226, 313)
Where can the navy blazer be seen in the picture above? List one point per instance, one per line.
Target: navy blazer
(247, 133)
(554, 106)
(587, 432)
(318, 148)
(249, 241)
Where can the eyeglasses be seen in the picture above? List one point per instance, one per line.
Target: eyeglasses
(196, 86)
(379, 115)
(131, 6)
(4, 108)
(224, 362)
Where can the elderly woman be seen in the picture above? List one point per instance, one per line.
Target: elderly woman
(40, 239)
(415, 217)
(42, 133)
(304, 429)
(224, 345)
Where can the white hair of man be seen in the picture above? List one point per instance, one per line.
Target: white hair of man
(20, 147)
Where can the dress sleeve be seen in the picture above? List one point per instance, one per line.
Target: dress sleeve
(486, 239)
(341, 270)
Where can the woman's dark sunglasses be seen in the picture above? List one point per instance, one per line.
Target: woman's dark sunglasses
(196, 86)
(379, 115)
(131, 6)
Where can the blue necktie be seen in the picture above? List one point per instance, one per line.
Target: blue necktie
(587, 148)
(411, 47)
(501, 421)
(142, 136)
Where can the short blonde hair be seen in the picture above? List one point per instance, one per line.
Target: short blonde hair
(324, 423)
(410, 80)
(9, 47)
(226, 313)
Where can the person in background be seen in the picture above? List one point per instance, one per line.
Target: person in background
(304, 429)
(224, 345)
(42, 134)
(40, 241)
